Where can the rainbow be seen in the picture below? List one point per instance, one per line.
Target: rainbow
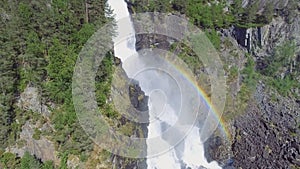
(187, 75)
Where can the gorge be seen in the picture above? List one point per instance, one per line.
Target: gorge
(163, 103)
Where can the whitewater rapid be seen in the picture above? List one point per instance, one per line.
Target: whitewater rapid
(159, 88)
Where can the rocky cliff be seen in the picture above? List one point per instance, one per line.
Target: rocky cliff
(264, 126)
(267, 135)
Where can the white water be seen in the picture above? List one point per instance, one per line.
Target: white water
(157, 86)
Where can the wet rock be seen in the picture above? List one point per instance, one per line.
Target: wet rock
(123, 163)
(147, 41)
(137, 97)
(117, 61)
(218, 148)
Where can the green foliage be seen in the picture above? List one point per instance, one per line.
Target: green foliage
(103, 80)
(9, 49)
(9, 160)
(249, 74)
(62, 55)
(30, 162)
(59, 71)
(214, 38)
(233, 73)
(48, 165)
(208, 16)
(16, 126)
(39, 45)
(179, 5)
(283, 86)
(283, 57)
(127, 129)
(281, 69)
(84, 33)
(249, 16)
(153, 6)
(250, 78)
(37, 134)
(237, 9)
(267, 14)
(83, 157)
(188, 56)
(63, 161)
(33, 62)
(25, 12)
(69, 136)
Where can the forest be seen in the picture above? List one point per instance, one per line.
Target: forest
(39, 44)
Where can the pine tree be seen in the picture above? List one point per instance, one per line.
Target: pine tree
(30, 162)
(9, 50)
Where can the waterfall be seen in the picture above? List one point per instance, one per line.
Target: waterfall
(159, 87)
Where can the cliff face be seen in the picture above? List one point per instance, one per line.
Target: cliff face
(284, 26)
(278, 4)
(266, 38)
(130, 100)
(267, 134)
(265, 128)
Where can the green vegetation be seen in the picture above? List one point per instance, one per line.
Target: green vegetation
(250, 78)
(282, 60)
(281, 69)
(48, 165)
(236, 106)
(214, 38)
(37, 134)
(63, 161)
(249, 73)
(208, 15)
(9, 160)
(8, 80)
(40, 42)
(249, 17)
(212, 15)
(233, 73)
(28, 161)
(39, 45)
(284, 86)
(188, 56)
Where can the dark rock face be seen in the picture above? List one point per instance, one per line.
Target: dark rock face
(146, 41)
(211, 147)
(123, 163)
(218, 148)
(265, 39)
(137, 97)
(267, 135)
(139, 101)
(242, 37)
(129, 90)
